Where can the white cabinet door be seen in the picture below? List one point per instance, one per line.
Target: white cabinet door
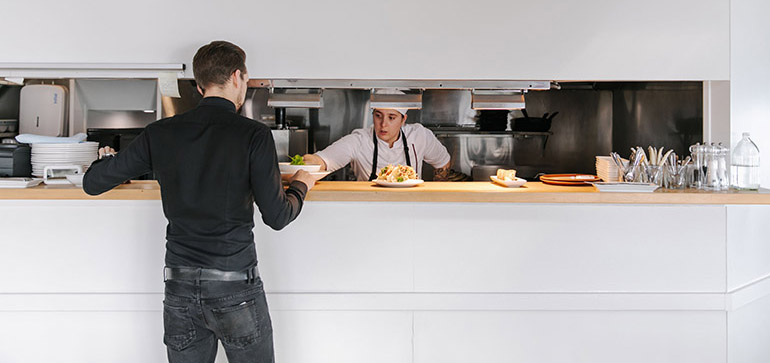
(82, 336)
(342, 336)
(570, 336)
(82, 246)
(569, 248)
(338, 247)
(400, 39)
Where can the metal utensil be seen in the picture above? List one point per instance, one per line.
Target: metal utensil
(618, 161)
(672, 161)
(686, 161)
(629, 174)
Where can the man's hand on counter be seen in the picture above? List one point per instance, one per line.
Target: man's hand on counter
(303, 177)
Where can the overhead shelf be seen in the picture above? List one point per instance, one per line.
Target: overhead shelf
(89, 70)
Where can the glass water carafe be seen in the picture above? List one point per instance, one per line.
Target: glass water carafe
(745, 165)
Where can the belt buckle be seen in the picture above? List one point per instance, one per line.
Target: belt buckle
(165, 274)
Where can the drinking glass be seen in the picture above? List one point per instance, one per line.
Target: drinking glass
(675, 177)
(652, 174)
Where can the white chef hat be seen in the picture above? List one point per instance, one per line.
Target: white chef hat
(392, 91)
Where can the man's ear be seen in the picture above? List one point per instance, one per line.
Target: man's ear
(403, 120)
(200, 90)
(236, 78)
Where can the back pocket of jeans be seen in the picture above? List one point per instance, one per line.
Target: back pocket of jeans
(238, 324)
(179, 331)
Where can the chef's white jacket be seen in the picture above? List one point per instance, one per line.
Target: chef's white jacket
(358, 149)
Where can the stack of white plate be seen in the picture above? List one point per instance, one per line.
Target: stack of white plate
(606, 169)
(83, 153)
(625, 187)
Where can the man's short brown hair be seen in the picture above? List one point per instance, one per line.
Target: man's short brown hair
(215, 62)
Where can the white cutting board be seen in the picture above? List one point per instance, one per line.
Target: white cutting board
(43, 110)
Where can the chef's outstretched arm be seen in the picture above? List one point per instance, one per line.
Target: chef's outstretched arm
(336, 155)
(315, 160)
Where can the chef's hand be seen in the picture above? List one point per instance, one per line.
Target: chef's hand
(106, 151)
(314, 159)
(303, 177)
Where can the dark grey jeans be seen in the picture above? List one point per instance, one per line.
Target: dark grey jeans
(198, 313)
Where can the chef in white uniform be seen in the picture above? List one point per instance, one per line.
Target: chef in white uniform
(388, 141)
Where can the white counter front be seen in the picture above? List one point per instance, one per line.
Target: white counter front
(410, 282)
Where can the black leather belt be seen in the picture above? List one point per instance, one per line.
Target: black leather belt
(208, 274)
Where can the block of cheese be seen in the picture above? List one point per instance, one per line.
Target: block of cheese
(506, 174)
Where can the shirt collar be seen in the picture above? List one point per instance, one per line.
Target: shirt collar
(399, 141)
(219, 102)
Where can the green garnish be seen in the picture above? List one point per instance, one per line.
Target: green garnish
(297, 160)
(399, 179)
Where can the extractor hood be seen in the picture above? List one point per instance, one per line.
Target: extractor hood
(497, 100)
(407, 101)
(295, 100)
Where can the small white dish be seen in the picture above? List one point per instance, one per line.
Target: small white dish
(508, 183)
(76, 179)
(57, 181)
(288, 168)
(57, 174)
(19, 182)
(403, 184)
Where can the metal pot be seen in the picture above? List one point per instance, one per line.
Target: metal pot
(493, 120)
(533, 124)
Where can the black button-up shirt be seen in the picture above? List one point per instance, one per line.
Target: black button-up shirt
(212, 165)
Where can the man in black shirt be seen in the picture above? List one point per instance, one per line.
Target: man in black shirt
(212, 166)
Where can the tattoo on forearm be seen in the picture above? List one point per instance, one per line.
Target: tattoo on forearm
(441, 174)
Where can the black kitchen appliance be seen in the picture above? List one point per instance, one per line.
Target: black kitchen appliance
(533, 124)
(15, 160)
(114, 138)
(493, 120)
(117, 139)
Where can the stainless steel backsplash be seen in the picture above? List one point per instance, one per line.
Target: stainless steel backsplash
(581, 130)
(594, 118)
(668, 114)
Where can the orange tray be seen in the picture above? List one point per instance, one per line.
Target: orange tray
(569, 179)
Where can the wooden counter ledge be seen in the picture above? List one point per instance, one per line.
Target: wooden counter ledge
(532, 192)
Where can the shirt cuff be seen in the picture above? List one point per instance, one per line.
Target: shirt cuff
(445, 160)
(299, 186)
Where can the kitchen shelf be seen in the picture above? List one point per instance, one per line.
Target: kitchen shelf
(89, 70)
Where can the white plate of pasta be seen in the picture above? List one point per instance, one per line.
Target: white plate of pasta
(403, 184)
(398, 176)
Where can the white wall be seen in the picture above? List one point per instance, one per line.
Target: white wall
(399, 39)
(750, 77)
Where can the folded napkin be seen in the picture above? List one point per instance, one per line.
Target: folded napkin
(40, 139)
